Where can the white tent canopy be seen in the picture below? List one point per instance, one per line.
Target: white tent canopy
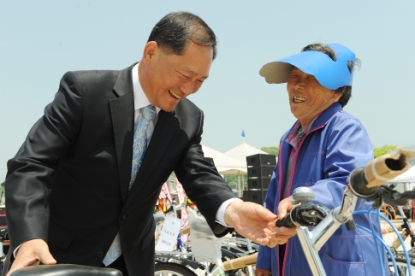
(242, 151)
(226, 165)
(408, 176)
(405, 181)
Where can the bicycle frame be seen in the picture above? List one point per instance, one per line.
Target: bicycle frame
(406, 232)
(312, 241)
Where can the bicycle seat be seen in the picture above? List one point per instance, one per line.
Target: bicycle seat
(66, 270)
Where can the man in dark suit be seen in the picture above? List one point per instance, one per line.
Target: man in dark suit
(72, 193)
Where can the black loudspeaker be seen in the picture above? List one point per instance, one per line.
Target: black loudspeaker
(256, 196)
(3, 222)
(261, 160)
(259, 168)
(258, 183)
(260, 171)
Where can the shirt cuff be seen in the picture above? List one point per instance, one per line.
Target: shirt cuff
(15, 251)
(220, 214)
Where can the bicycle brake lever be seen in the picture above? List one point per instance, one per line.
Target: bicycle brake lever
(306, 215)
(312, 214)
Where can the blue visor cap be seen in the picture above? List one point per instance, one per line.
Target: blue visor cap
(329, 73)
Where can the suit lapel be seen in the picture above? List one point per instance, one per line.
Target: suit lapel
(163, 134)
(122, 115)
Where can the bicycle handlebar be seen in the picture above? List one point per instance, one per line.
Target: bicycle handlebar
(287, 221)
(365, 181)
(305, 214)
(66, 270)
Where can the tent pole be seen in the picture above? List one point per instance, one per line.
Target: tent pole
(239, 186)
(242, 185)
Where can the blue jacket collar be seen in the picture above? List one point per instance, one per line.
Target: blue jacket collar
(322, 119)
(326, 115)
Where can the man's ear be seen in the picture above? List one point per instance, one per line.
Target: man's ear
(150, 50)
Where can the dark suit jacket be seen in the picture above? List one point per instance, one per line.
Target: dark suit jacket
(68, 182)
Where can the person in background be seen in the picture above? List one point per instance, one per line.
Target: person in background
(83, 186)
(172, 183)
(319, 151)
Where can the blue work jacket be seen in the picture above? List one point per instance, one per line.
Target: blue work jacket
(336, 144)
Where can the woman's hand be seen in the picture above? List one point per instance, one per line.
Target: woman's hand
(262, 272)
(282, 234)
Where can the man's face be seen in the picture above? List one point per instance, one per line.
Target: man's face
(308, 97)
(169, 78)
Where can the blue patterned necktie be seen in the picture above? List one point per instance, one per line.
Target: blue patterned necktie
(139, 150)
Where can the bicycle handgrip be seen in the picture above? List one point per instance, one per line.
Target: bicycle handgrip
(365, 180)
(240, 262)
(286, 221)
(66, 270)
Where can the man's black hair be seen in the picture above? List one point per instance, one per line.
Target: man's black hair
(175, 30)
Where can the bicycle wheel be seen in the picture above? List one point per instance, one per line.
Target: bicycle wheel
(401, 266)
(401, 255)
(172, 269)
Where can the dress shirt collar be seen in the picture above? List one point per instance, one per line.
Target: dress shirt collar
(140, 98)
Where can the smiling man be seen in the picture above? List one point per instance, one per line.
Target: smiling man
(170, 78)
(83, 186)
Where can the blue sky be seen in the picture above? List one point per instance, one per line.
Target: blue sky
(41, 40)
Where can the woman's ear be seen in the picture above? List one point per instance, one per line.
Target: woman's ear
(337, 94)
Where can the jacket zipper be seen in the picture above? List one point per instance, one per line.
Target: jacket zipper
(291, 182)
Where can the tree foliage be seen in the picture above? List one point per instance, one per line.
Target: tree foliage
(383, 150)
(271, 150)
(377, 151)
(232, 181)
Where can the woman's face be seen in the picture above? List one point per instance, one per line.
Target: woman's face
(308, 97)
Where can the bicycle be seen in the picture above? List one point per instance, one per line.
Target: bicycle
(204, 253)
(66, 270)
(406, 232)
(399, 255)
(190, 259)
(250, 260)
(239, 245)
(4, 242)
(364, 182)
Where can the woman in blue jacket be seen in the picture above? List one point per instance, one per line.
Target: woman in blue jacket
(319, 151)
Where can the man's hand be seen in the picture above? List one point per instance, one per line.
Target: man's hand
(32, 252)
(252, 221)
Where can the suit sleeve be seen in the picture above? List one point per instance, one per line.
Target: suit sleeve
(29, 177)
(202, 182)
